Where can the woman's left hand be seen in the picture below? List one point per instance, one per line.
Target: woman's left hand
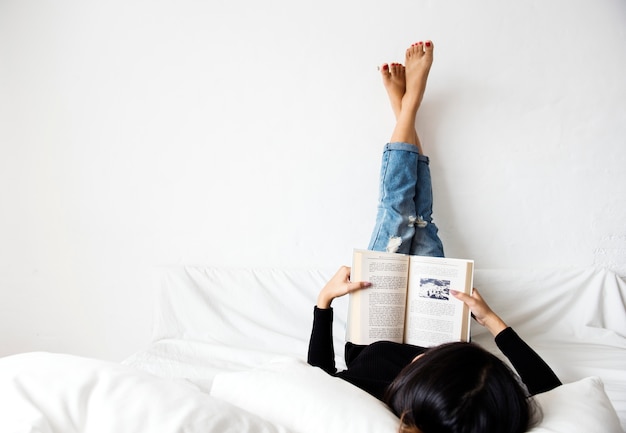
(339, 285)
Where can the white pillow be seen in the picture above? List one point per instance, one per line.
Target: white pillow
(307, 400)
(581, 406)
(304, 399)
(48, 393)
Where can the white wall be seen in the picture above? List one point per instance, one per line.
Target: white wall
(135, 134)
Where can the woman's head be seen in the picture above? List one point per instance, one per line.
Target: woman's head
(460, 388)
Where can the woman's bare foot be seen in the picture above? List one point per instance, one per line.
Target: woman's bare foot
(419, 59)
(395, 84)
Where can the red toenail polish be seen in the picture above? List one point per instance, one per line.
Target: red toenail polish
(385, 67)
(420, 42)
(428, 44)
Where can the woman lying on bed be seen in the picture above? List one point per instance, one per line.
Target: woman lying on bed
(455, 387)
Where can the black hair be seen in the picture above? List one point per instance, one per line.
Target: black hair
(460, 388)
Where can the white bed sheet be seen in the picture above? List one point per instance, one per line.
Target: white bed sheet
(230, 326)
(218, 320)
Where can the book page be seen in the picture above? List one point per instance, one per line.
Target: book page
(377, 312)
(434, 316)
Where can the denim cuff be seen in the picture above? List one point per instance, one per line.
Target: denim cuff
(398, 145)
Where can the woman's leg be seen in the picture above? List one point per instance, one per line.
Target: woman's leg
(404, 222)
(418, 60)
(426, 241)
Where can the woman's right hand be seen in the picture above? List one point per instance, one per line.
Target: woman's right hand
(338, 286)
(483, 314)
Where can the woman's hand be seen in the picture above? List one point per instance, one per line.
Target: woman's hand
(338, 286)
(481, 311)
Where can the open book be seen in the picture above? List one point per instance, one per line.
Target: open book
(409, 300)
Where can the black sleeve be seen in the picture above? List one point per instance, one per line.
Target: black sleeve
(535, 373)
(321, 349)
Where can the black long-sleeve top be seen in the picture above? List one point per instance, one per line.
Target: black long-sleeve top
(373, 367)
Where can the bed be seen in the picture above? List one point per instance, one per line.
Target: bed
(228, 349)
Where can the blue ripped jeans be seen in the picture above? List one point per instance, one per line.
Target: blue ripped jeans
(404, 221)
